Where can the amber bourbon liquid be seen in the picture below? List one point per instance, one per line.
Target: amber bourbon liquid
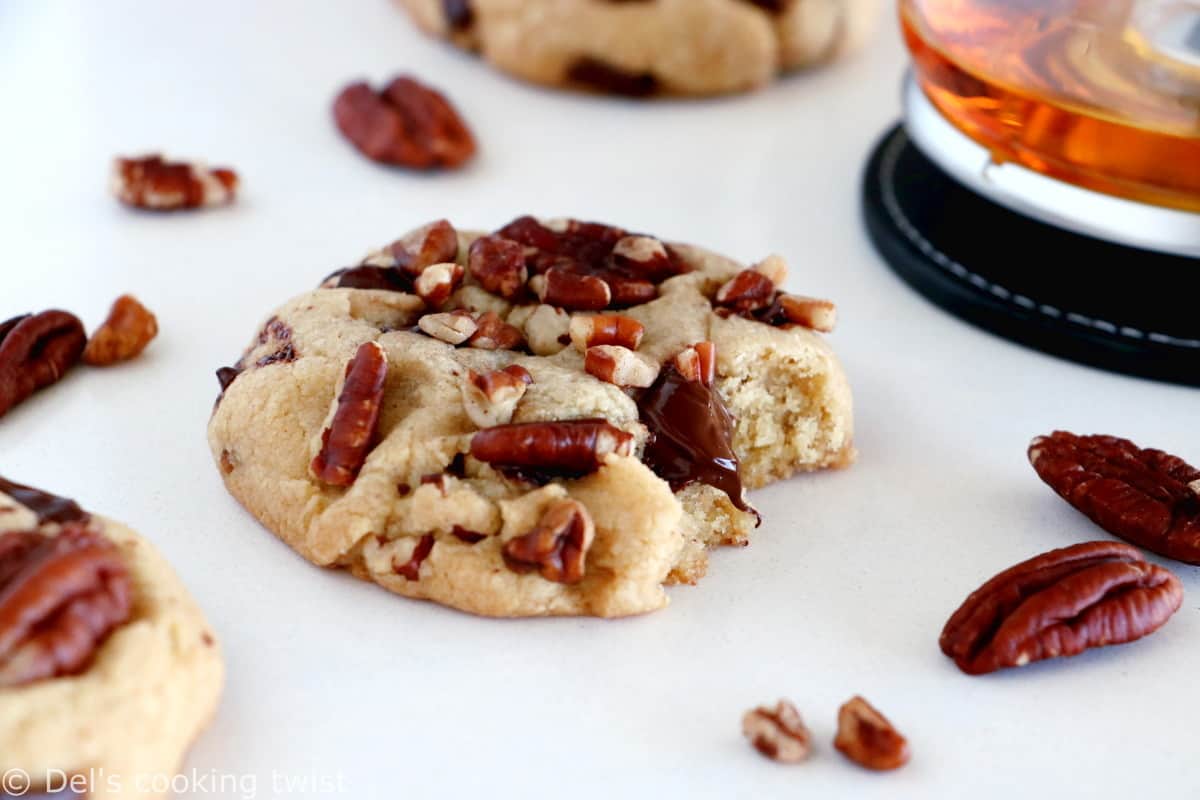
(1104, 94)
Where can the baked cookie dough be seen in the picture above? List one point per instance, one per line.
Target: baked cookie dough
(648, 47)
(547, 420)
(108, 670)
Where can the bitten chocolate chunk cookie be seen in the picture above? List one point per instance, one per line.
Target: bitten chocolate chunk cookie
(648, 47)
(108, 670)
(555, 418)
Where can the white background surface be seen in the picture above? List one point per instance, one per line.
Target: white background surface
(846, 585)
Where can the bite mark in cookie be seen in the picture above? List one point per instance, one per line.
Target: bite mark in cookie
(602, 367)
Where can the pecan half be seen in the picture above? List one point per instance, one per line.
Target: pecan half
(493, 333)
(1147, 497)
(35, 351)
(130, 327)
(60, 598)
(150, 182)
(778, 733)
(614, 329)
(499, 265)
(407, 124)
(1059, 604)
(568, 448)
(491, 398)
(437, 282)
(867, 738)
(557, 547)
(351, 432)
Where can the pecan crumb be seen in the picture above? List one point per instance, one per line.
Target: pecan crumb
(867, 738)
(151, 182)
(129, 328)
(778, 733)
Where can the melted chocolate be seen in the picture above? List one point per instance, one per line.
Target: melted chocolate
(597, 74)
(459, 14)
(48, 507)
(693, 433)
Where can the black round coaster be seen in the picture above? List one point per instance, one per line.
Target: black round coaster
(1111, 306)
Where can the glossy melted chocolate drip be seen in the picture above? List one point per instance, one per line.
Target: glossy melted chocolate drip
(48, 507)
(693, 434)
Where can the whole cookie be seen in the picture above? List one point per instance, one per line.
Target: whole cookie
(108, 670)
(647, 47)
(557, 418)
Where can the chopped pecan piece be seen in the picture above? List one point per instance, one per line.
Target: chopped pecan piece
(547, 330)
(778, 733)
(35, 351)
(130, 327)
(749, 290)
(499, 265)
(491, 398)
(589, 331)
(599, 251)
(645, 256)
(351, 432)
(1147, 497)
(557, 287)
(433, 243)
(1060, 604)
(619, 366)
(557, 547)
(493, 333)
(808, 312)
(407, 124)
(437, 282)
(153, 183)
(411, 569)
(569, 448)
(867, 738)
(452, 327)
(775, 268)
(60, 598)
(698, 363)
